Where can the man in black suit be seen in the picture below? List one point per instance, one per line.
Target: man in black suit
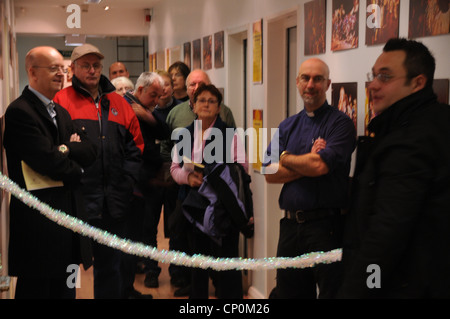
(41, 136)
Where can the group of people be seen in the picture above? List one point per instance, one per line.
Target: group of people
(117, 152)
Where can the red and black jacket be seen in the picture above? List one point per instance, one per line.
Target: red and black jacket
(112, 125)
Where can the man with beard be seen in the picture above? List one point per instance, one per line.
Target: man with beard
(315, 148)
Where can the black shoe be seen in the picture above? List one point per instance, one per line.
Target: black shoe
(183, 291)
(141, 268)
(178, 282)
(134, 294)
(151, 281)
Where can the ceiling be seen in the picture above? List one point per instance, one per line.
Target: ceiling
(113, 4)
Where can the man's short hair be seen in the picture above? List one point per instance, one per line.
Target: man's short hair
(147, 79)
(419, 59)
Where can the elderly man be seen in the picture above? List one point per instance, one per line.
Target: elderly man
(111, 124)
(147, 212)
(43, 144)
(315, 148)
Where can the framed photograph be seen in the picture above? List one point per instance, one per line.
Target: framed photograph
(369, 114)
(197, 54)
(258, 52)
(382, 21)
(187, 54)
(428, 18)
(344, 97)
(207, 52)
(315, 27)
(345, 25)
(441, 88)
(219, 54)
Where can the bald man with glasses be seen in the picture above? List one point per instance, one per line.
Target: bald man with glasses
(42, 141)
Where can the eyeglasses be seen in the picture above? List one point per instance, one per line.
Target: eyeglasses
(210, 101)
(87, 67)
(382, 77)
(53, 69)
(316, 79)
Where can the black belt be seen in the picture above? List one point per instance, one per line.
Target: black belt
(301, 216)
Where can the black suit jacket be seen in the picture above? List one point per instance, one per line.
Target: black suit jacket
(38, 246)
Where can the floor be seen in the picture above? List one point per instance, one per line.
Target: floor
(165, 290)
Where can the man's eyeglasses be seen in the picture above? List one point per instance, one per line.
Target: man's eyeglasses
(382, 77)
(53, 69)
(316, 79)
(87, 67)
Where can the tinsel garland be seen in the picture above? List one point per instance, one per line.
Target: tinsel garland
(164, 256)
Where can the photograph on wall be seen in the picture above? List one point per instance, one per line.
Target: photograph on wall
(345, 25)
(175, 55)
(160, 60)
(257, 143)
(187, 54)
(315, 27)
(197, 54)
(382, 21)
(428, 18)
(441, 88)
(207, 52)
(1, 45)
(369, 113)
(344, 97)
(219, 55)
(257, 52)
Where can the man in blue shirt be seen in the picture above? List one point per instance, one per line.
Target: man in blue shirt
(315, 148)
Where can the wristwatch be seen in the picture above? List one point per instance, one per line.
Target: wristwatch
(63, 149)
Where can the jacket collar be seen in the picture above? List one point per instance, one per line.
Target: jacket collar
(399, 113)
(104, 87)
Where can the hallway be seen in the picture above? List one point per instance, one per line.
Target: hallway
(164, 291)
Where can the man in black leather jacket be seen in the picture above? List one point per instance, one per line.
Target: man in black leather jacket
(398, 234)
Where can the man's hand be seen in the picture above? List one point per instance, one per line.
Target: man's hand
(75, 138)
(318, 145)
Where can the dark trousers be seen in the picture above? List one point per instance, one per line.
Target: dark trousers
(134, 232)
(156, 198)
(301, 238)
(44, 288)
(228, 283)
(108, 275)
(180, 241)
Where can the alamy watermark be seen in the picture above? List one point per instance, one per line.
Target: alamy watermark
(74, 278)
(74, 19)
(374, 279)
(229, 148)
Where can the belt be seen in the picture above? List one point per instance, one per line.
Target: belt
(301, 216)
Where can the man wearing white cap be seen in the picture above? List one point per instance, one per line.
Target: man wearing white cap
(108, 184)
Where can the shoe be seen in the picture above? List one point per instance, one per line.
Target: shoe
(141, 268)
(183, 291)
(137, 295)
(178, 282)
(151, 281)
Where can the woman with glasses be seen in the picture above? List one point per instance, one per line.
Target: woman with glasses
(191, 168)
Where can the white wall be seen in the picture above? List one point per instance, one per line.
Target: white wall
(53, 20)
(175, 22)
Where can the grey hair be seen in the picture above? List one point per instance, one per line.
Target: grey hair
(123, 79)
(146, 79)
